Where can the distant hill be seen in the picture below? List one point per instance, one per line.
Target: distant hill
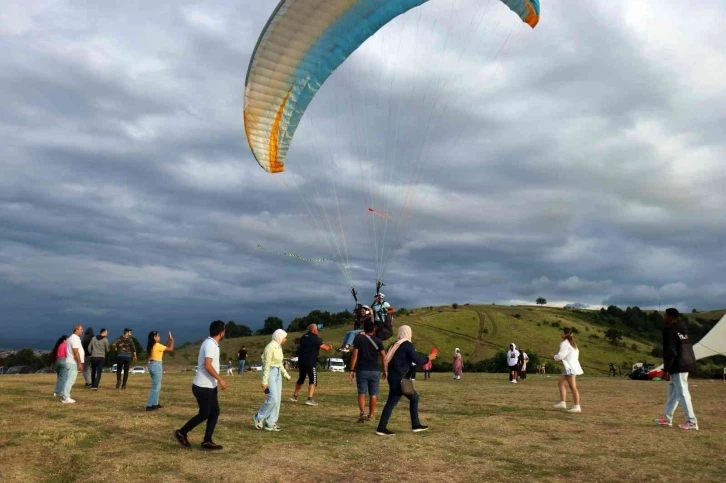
(479, 331)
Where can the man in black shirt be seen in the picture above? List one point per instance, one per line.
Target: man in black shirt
(678, 361)
(241, 360)
(307, 361)
(364, 366)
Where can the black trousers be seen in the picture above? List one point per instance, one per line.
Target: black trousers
(125, 364)
(96, 370)
(208, 411)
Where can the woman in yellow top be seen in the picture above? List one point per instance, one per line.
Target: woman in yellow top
(156, 369)
(272, 373)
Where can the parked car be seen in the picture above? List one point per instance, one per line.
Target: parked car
(138, 370)
(334, 364)
(19, 370)
(256, 367)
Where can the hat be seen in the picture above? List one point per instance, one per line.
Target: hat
(381, 295)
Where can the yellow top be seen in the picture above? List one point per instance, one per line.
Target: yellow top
(157, 352)
(272, 357)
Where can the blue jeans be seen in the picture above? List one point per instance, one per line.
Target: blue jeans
(61, 381)
(350, 337)
(70, 373)
(270, 409)
(156, 370)
(97, 364)
(394, 395)
(241, 367)
(678, 393)
(368, 381)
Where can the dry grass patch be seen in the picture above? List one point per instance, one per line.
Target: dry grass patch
(482, 429)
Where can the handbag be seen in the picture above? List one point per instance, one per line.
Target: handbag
(407, 387)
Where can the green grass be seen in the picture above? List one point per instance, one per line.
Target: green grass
(482, 429)
(480, 331)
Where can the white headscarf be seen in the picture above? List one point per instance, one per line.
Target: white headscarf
(404, 334)
(279, 335)
(456, 351)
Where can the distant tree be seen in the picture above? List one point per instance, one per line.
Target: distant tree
(694, 311)
(271, 325)
(657, 351)
(613, 335)
(233, 330)
(634, 346)
(25, 357)
(454, 306)
(541, 301)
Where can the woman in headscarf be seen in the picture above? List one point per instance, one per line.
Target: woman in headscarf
(273, 371)
(458, 364)
(398, 362)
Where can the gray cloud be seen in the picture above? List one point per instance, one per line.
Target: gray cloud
(581, 164)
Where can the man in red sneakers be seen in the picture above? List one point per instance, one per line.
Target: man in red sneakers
(678, 361)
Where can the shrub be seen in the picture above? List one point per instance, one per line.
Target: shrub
(485, 330)
(517, 316)
(634, 347)
(556, 324)
(575, 331)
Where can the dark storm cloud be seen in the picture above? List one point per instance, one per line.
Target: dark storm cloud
(579, 161)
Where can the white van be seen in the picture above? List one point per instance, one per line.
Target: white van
(334, 364)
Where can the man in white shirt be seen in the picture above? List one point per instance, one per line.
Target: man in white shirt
(512, 361)
(204, 388)
(74, 363)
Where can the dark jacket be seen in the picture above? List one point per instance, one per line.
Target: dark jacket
(400, 365)
(677, 350)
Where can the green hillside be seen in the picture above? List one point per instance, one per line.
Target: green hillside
(479, 331)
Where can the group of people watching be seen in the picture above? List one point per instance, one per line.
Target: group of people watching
(73, 354)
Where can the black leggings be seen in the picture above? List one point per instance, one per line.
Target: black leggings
(208, 411)
(125, 364)
(311, 373)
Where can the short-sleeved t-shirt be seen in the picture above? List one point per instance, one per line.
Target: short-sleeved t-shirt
(209, 350)
(368, 356)
(309, 349)
(74, 342)
(380, 310)
(242, 355)
(157, 352)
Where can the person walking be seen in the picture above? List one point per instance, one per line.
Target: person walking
(522, 365)
(156, 367)
(272, 373)
(204, 387)
(397, 365)
(125, 354)
(427, 370)
(97, 349)
(364, 368)
(512, 361)
(307, 360)
(87, 338)
(678, 361)
(58, 362)
(230, 368)
(569, 354)
(241, 360)
(75, 357)
(458, 364)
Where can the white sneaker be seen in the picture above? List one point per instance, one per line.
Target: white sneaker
(560, 405)
(55, 394)
(514, 381)
(575, 409)
(68, 401)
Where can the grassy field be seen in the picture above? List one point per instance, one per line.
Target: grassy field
(480, 331)
(482, 429)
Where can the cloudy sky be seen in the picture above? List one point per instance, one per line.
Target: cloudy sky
(579, 161)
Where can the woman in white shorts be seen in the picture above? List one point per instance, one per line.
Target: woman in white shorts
(569, 354)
